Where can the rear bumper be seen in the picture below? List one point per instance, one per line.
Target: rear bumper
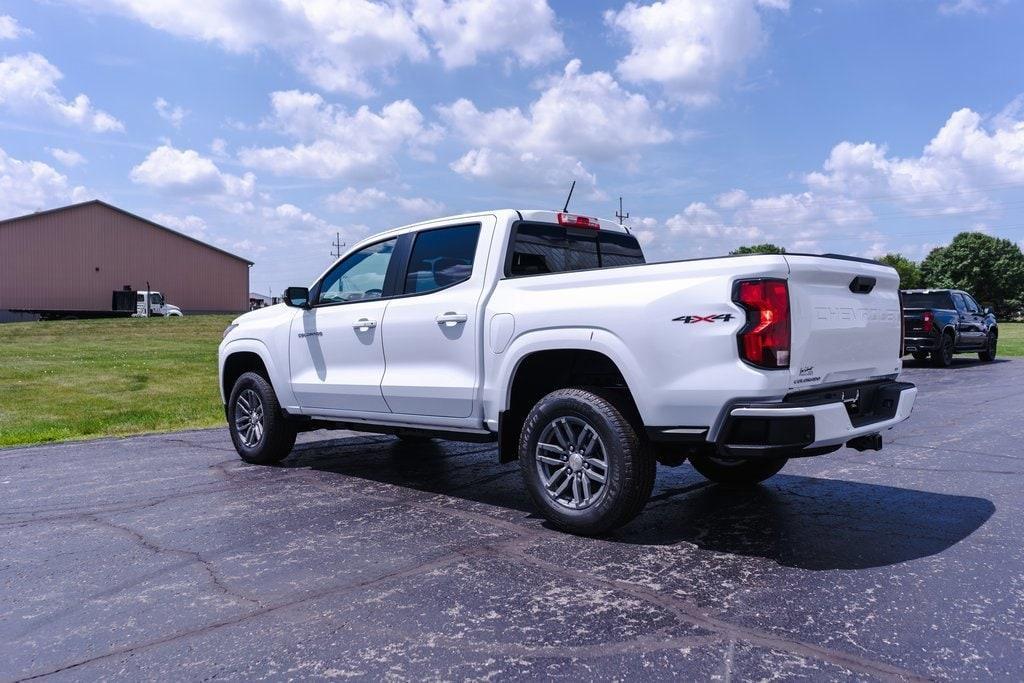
(911, 344)
(816, 422)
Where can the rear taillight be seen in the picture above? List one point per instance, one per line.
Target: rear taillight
(765, 340)
(927, 318)
(903, 327)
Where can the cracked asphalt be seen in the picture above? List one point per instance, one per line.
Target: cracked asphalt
(166, 557)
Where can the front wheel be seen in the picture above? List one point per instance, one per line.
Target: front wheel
(989, 354)
(584, 463)
(259, 429)
(737, 471)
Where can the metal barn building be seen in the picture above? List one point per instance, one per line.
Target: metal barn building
(74, 257)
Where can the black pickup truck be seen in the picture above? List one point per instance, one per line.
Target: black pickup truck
(941, 322)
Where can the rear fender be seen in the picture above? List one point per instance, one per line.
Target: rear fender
(498, 392)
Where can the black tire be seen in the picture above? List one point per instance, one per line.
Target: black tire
(920, 355)
(276, 433)
(629, 466)
(989, 354)
(942, 357)
(738, 472)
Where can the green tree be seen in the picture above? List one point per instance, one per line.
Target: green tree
(759, 249)
(910, 272)
(990, 268)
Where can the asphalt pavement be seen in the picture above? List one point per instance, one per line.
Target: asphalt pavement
(166, 557)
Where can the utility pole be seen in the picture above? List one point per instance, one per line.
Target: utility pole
(338, 244)
(621, 216)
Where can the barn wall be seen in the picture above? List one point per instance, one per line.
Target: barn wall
(73, 259)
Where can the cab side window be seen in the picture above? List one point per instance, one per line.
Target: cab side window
(359, 277)
(441, 258)
(958, 301)
(972, 305)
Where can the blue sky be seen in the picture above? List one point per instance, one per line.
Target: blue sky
(264, 127)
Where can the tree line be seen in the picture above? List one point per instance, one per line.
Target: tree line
(990, 268)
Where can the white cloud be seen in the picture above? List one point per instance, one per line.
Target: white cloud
(352, 200)
(420, 207)
(578, 118)
(10, 29)
(28, 84)
(333, 43)
(462, 30)
(645, 229)
(690, 47)
(191, 225)
(965, 7)
(966, 159)
(172, 115)
(345, 45)
(186, 172)
(27, 186)
(66, 157)
(292, 218)
(333, 143)
(950, 175)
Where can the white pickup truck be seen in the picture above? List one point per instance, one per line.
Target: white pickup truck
(549, 334)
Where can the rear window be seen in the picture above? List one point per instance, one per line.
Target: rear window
(928, 300)
(540, 248)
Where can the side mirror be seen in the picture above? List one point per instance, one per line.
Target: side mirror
(988, 311)
(297, 297)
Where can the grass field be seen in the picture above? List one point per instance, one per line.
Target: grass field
(87, 378)
(1011, 339)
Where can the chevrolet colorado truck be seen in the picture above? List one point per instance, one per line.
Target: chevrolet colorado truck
(941, 322)
(547, 333)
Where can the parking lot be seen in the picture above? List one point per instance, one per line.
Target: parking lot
(166, 557)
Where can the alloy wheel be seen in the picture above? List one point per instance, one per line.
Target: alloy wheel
(572, 462)
(249, 417)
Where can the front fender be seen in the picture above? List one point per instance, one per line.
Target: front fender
(501, 368)
(279, 377)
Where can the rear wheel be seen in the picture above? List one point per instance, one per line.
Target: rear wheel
(259, 429)
(920, 355)
(943, 356)
(584, 463)
(989, 354)
(736, 471)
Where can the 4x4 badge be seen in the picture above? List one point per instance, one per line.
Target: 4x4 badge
(689, 319)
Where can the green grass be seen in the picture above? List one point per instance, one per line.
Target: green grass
(81, 379)
(1011, 339)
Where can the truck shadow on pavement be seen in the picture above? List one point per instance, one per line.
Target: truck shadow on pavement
(813, 523)
(796, 521)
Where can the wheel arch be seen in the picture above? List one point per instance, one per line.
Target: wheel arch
(244, 355)
(533, 368)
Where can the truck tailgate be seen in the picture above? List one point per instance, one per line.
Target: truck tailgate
(846, 320)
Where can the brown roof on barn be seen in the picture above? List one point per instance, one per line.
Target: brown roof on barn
(126, 213)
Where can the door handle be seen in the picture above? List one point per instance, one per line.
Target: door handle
(450, 319)
(364, 324)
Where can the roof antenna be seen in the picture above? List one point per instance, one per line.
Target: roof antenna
(565, 209)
